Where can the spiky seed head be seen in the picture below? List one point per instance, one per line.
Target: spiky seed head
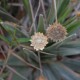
(56, 32)
(39, 41)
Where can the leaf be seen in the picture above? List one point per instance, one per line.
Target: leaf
(24, 71)
(68, 21)
(13, 61)
(67, 12)
(14, 33)
(70, 48)
(54, 47)
(11, 29)
(17, 73)
(4, 39)
(73, 26)
(30, 55)
(1, 78)
(22, 40)
(5, 16)
(65, 48)
(73, 64)
(63, 72)
(48, 74)
(62, 8)
(24, 61)
(27, 8)
(68, 51)
(2, 9)
(41, 24)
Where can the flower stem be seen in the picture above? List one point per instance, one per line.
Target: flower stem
(55, 10)
(40, 63)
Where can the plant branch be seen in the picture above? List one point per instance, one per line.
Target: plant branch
(55, 10)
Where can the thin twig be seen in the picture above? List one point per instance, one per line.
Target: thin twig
(6, 60)
(3, 52)
(28, 64)
(47, 53)
(44, 12)
(10, 76)
(32, 15)
(16, 72)
(35, 17)
(55, 10)
(27, 47)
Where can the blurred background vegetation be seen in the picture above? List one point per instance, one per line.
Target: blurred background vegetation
(19, 19)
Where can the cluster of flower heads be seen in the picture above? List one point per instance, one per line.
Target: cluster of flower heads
(55, 32)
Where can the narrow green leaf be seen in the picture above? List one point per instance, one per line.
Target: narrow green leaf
(27, 8)
(63, 7)
(7, 17)
(68, 21)
(12, 29)
(73, 26)
(68, 51)
(31, 55)
(23, 40)
(4, 39)
(64, 72)
(73, 64)
(65, 15)
(48, 73)
(50, 17)
(55, 46)
(41, 24)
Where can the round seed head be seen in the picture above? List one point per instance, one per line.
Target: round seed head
(56, 32)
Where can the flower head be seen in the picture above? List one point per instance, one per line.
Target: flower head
(38, 41)
(56, 32)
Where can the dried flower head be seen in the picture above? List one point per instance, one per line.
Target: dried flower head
(56, 32)
(41, 78)
(38, 41)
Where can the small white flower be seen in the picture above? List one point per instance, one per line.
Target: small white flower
(38, 41)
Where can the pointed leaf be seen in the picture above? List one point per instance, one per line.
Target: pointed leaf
(41, 24)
